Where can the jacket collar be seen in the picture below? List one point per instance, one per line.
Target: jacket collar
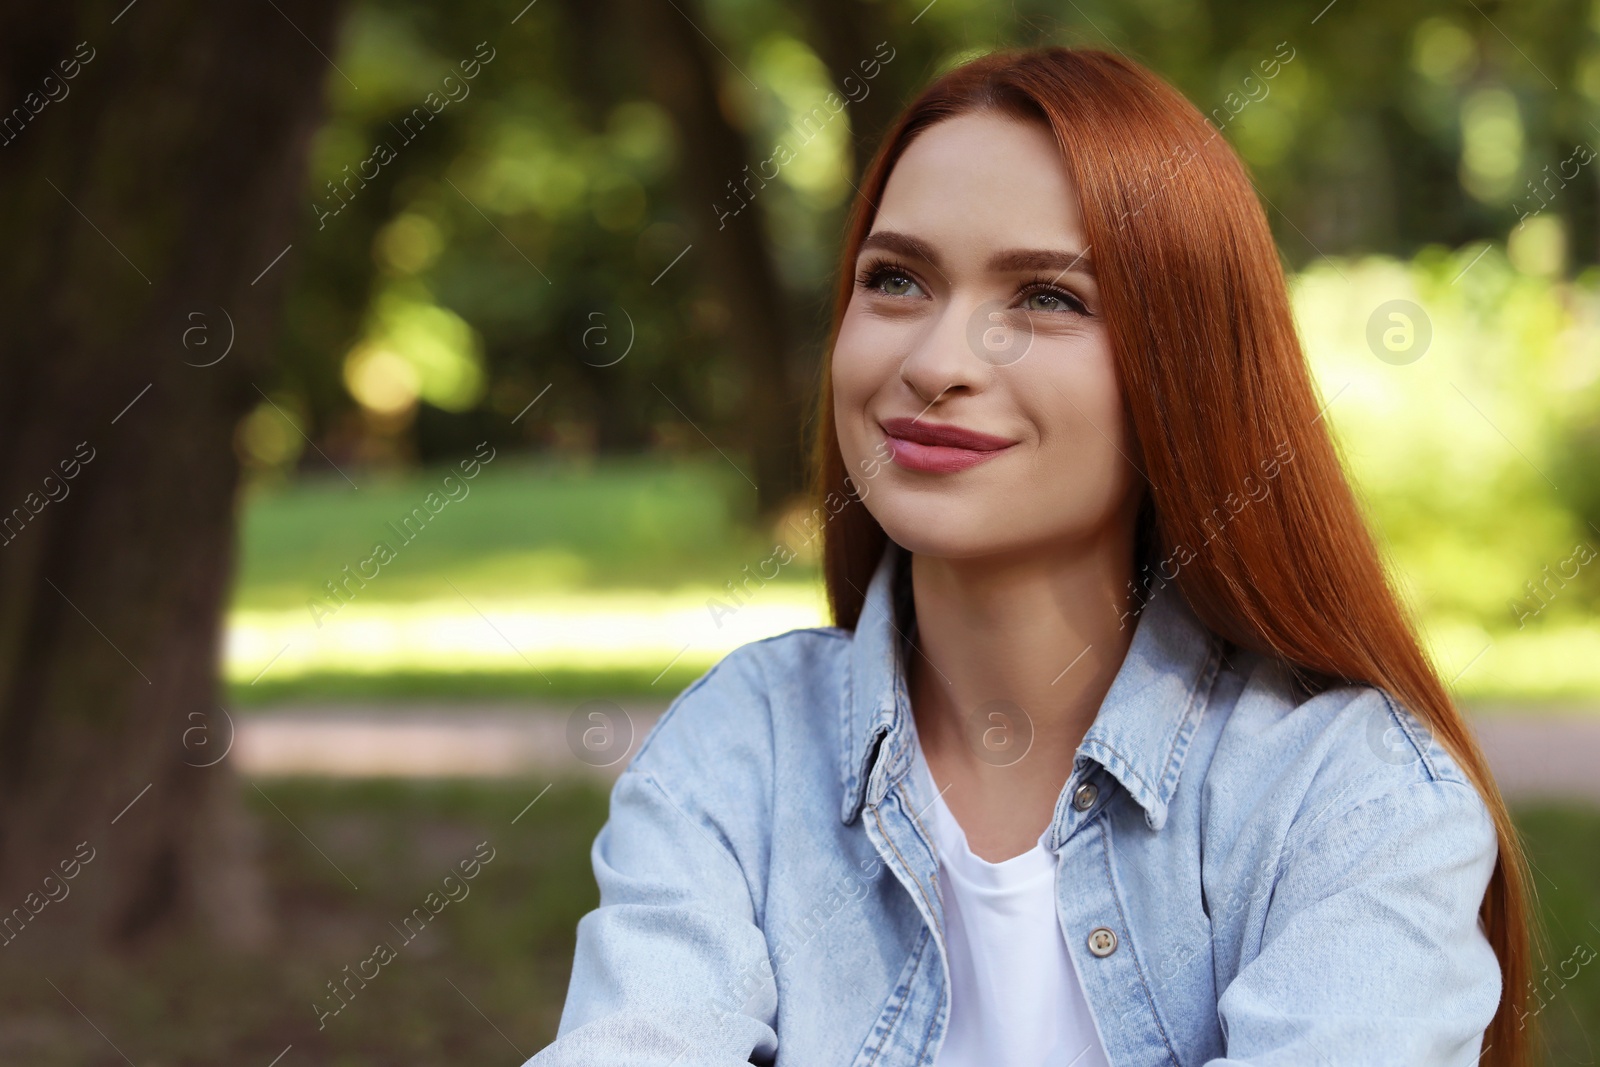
(1140, 735)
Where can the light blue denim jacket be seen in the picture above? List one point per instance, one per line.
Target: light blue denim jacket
(1260, 878)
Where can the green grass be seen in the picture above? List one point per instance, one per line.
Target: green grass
(631, 538)
(1563, 844)
(506, 948)
(548, 536)
(464, 687)
(524, 526)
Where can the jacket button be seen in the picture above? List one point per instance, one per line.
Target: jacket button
(1102, 941)
(1085, 796)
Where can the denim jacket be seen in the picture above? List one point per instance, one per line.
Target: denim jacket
(1257, 876)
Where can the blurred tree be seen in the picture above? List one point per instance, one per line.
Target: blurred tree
(610, 137)
(539, 209)
(146, 186)
(846, 34)
(685, 70)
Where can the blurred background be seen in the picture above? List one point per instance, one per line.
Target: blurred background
(403, 401)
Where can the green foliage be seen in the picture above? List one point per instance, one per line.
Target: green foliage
(1459, 451)
(545, 203)
(519, 244)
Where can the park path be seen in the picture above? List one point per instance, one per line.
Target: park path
(1536, 755)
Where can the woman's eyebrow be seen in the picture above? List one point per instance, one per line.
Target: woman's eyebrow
(901, 243)
(1040, 259)
(1059, 261)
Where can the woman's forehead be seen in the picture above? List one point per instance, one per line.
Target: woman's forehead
(981, 181)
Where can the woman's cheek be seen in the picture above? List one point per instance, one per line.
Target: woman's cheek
(862, 364)
(1095, 388)
(849, 405)
(1081, 409)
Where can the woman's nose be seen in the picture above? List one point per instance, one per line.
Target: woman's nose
(962, 348)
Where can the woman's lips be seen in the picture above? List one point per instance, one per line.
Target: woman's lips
(925, 446)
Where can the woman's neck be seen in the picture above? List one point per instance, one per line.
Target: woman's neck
(1013, 656)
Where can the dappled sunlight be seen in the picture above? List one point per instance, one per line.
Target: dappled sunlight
(596, 631)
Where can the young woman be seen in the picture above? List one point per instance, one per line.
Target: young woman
(1121, 750)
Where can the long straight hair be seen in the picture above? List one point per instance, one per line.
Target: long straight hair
(1215, 385)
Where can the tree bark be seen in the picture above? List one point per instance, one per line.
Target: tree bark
(145, 208)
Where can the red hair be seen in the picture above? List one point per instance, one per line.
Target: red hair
(1215, 383)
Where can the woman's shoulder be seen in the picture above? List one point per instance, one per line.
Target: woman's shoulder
(742, 709)
(1318, 755)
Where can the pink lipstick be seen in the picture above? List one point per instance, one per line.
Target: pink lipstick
(927, 446)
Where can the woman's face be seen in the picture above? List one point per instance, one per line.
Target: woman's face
(976, 401)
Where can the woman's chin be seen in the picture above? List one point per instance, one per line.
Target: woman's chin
(946, 533)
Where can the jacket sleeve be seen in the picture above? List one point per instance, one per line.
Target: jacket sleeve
(1372, 952)
(672, 967)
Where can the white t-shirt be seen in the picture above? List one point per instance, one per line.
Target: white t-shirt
(1015, 1000)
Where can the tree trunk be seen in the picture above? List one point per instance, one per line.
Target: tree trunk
(846, 34)
(145, 210)
(684, 71)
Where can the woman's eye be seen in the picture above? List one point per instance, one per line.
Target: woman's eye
(1050, 300)
(894, 283)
